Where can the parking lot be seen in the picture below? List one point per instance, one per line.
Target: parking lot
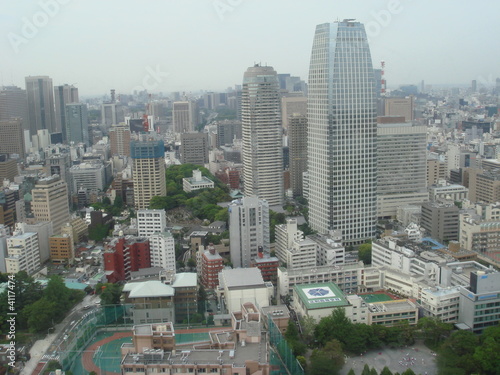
(417, 357)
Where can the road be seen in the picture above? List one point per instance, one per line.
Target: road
(47, 349)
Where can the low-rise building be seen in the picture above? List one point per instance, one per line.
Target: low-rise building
(242, 349)
(318, 300)
(153, 301)
(196, 182)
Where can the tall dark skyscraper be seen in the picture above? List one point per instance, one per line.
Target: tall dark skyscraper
(342, 131)
(76, 127)
(40, 93)
(262, 151)
(63, 95)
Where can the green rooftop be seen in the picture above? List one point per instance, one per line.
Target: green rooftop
(320, 295)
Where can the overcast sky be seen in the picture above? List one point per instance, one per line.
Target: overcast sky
(192, 45)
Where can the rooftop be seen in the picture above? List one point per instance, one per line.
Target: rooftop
(185, 280)
(152, 288)
(320, 295)
(242, 278)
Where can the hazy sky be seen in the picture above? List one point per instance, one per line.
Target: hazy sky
(192, 45)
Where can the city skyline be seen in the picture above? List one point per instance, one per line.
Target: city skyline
(193, 45)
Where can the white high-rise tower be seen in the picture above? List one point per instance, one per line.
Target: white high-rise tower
(342, 131)
(262, 151)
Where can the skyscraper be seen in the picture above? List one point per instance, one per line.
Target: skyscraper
(262, 151)
(342, 130)
(148, 170)
(76, 123)
(40, 95)
(297, 138)
(13, 103)
(63, 95)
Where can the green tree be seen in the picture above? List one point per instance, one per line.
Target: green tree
(41, 314)
(487, 354)
(373, 371)
(56, 291)
(386, 371)
(98, 232)
(52, 366)
(366, 370)
(433, 330)
(408, 372)
(365, 253)
(456, 354)
(308, 324)
(333, 349)
(111, 294)
(351, 372)
(302, 360)
(320, 364)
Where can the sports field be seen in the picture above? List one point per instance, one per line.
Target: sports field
(376, 297)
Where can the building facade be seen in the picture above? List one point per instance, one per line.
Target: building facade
(262, 152)
(50, 202)
(41, 107)
(148, 171)
(342, 133)
(297, 141)
(401, 167)
(248, 229)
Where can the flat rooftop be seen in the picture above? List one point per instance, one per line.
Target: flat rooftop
(191, 355)
(242, 278)
(320, 295)
(392, 306)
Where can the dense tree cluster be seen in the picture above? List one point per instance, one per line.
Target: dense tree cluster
(38, 309)
(202, 203)
(464, 353)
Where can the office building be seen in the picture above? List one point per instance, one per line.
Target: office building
(297, 138)
(148, 171)
(441, 220)
(292, 105)
(50, 202)
(401, 168)
(14, 104)
(227, 131)
(64, 94)
(194, 148)
(62, 248)
(76, 129)
(40, 94)
(484, 185)
(342, 133)
(185, 116)
(480, 229)
(23, 253)
(88, 176)
(248, 229)
(436, 170)
(480, 302)
(8, 168)
(400, 107)
(261, 135)
(119, 139)
(11, 137)
(153, 301)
